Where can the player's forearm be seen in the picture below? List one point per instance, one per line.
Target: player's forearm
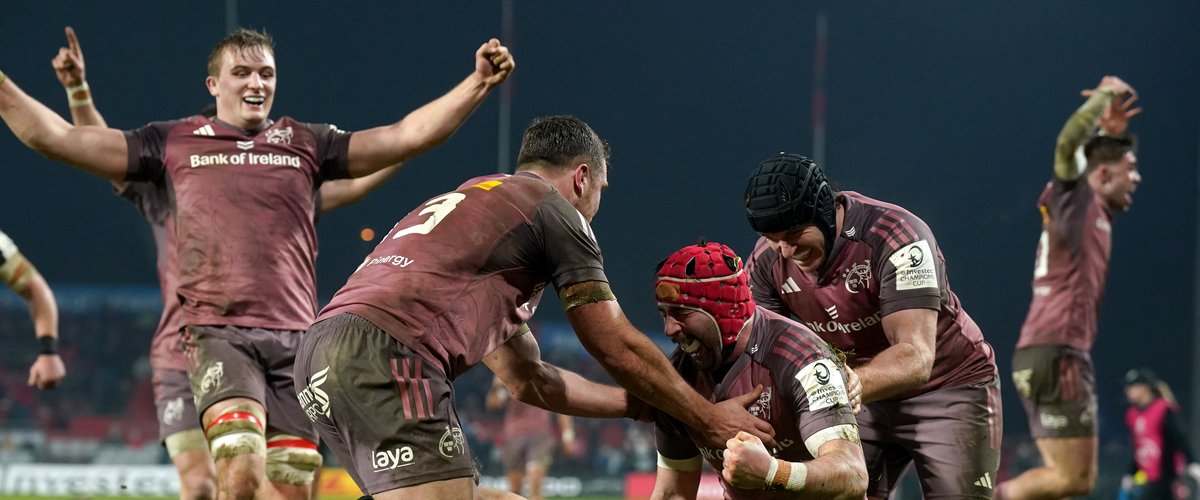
(675, 485)
(87, 114)
(834, 475)
(1076, 131)
(637, 365)
(42, 307)
(566, 392)
(894, 371)
(424, 128)
(343, 192)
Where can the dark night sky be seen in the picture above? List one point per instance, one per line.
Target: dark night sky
(949, 109)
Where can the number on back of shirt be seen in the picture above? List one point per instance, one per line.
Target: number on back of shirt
(439, 207)
(1041, 265)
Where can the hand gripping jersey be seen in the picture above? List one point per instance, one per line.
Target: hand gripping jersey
(885, 260)
(458, 275)
(804, 393)
(1070, 268)
(245, 241)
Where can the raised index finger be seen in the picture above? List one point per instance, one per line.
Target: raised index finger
(72, 42)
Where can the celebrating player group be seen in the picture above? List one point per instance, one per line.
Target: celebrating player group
(826, 364)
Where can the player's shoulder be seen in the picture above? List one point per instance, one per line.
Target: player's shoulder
(880, 224)
(783, 345)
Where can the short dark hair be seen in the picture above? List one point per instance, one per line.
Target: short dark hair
(241, 40)
(553, 141)
(1107, 149)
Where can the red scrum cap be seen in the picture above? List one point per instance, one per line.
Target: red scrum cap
(710, 278)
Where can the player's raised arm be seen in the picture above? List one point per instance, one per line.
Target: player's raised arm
(98, 151)
(72, 73)
(434, 123)
(636, 363)
(342, 192)
(1081, 124)
(518, 364)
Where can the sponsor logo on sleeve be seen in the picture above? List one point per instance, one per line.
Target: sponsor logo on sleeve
(822, 383)
(914, 266)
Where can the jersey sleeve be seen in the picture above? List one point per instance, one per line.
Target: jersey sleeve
(146, 146)
(571, 251)
(912, 274)
(671, 438)
(762, 283)
(818, 396)
(150, 198)
(333, 151)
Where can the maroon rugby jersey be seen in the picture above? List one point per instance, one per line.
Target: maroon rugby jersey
(245, 242)
(884, 260)
(153, 201)
(523, 419)
(804, 392)
(1070, 267)
(458, 275)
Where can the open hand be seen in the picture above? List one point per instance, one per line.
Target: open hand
(1117, 114)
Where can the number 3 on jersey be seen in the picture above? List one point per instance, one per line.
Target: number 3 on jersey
(439, 207)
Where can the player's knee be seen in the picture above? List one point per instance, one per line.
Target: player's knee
(292, 460)
(1074, 483)
(239, 430)
(1077, 485)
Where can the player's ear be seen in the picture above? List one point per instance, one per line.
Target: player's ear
(580, 178)
(211, 83)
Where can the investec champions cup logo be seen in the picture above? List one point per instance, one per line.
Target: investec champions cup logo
(452, 443)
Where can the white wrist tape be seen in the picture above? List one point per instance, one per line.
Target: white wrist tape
(771, 472)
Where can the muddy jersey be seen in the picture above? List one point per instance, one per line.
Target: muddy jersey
(884, 260)
(1070, 267)
(152, 199)
(458, 275)
(523, 419)
(804, 392)
(245, 241)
